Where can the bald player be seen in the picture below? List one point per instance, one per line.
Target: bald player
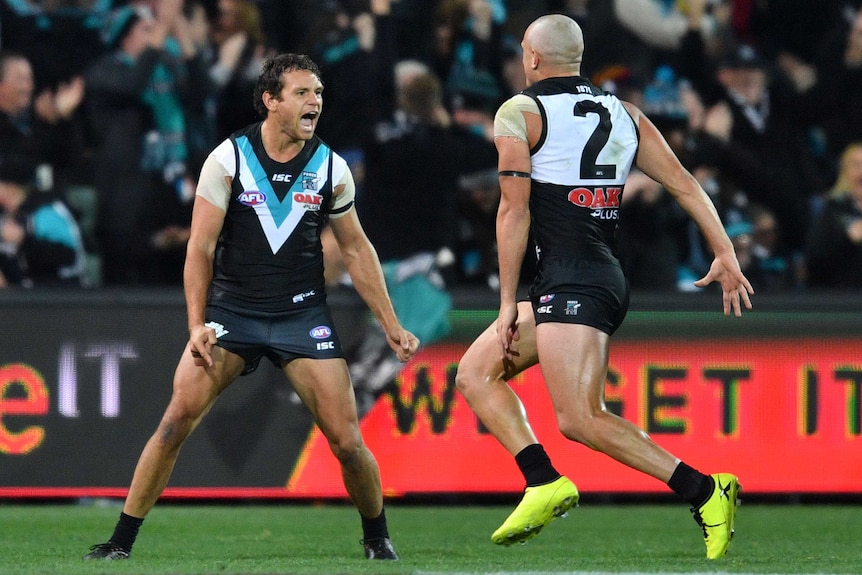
(565, 149)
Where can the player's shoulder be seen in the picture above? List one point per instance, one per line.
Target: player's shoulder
(633, 111)
(339, 164)
(521, 98)
(630, 106)
(520, 102)
(225, 154)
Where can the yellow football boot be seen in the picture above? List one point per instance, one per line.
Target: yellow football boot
(717, 515)
(540, 505)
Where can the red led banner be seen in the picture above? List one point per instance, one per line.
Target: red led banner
(784, 415)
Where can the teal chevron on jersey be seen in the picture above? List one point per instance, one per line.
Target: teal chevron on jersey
(280, 217)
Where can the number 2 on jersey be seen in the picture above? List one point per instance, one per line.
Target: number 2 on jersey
(590, 169)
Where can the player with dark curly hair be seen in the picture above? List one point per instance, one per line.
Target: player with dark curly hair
(255, 288)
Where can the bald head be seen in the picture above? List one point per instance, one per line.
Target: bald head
(553, 46)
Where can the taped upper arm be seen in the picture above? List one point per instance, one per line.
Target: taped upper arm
(509, 120)
(213, 183)
(342, 202)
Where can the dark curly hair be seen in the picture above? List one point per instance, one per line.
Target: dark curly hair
(270, 79)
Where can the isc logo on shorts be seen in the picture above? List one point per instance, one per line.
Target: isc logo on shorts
(544, 309)
(320, 332)
(324, 345)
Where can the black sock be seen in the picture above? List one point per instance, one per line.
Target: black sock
(374, 528)
(126, 531)
(536, 466)
(691, 484)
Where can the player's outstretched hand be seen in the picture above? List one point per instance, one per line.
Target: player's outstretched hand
(734, 285)
(403, 343)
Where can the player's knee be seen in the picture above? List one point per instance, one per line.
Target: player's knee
(173, 431)
(465, 380)
(581, 426)
(571, 430)
(348, 449)
(177, 423)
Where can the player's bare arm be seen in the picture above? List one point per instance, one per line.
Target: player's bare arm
(360, 259)
(657, 160)
(517, 128)
(207, 220)
(513, 228)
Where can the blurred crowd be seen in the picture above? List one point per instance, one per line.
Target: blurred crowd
(109, 107)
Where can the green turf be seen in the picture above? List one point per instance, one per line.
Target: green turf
(293, 538)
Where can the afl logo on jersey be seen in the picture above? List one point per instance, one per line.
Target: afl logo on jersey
(320, 332)
(546, 298)
(252, 198)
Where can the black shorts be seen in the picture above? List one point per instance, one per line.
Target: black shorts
(582, 292)
(306, 332)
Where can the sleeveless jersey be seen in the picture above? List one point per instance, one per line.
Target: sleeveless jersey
(269, 257)
(579, 167)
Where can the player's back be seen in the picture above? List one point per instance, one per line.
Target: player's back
(579, 167)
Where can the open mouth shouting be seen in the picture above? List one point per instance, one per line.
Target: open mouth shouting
(308, 121)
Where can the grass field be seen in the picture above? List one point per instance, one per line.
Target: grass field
(304, 538)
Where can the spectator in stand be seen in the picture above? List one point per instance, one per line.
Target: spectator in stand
(241, 48)
(761, 120)
(771, 268)
(470, 49)
(805, 52)
(791, 27)
(650, 32)
(839, 84)
(40, 242)
(137, 115)
(286, 24)
(415, 40)
(662, 25)
(648, 244)
(42, 128)
(834, 251)
(193, 31)
(60, 37)
(413, 166)
(660, 248)
(477, 213)
(354, 42)
(702, 157)
(772, 273)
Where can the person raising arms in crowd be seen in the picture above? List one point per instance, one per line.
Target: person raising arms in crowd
(254, 288)
(834, 247)
(38, 126)
(565, 149)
